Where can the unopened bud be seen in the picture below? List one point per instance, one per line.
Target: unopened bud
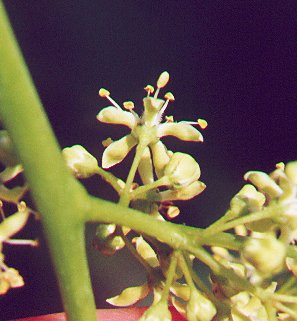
(182, 170)
(264, 183)
(199, 308)
(157, 312)
(267, 255)
(80, 161)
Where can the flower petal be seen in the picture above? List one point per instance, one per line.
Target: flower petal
(183, 193)
(181, 130)
(113, 115)
(117, 151)
(160, 157)
(130, 296)
(146, 251)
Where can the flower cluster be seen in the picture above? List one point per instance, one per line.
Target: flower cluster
(266, 217)
(9, 226)
(179, 172)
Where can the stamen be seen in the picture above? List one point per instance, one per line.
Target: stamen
(169, 119)
(107, 142)
(280, 165)
(149, 89)
(169, 97)
(1, 211)
(106, 94)
(22, 206)
(129, 105)
(172, 212)
(33, 243)
(202, 123)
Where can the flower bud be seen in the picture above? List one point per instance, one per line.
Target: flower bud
(182, 170)
(264, 183)
(106, 241)
(80, 161)
(267, 255)
(199, 308)
(157, 312)
(7, 154)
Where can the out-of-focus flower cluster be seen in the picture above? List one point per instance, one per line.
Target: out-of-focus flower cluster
(267, 209)
(10, 277)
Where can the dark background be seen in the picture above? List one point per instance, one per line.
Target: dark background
(231, 62)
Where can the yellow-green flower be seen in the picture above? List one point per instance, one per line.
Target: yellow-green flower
(147, 129)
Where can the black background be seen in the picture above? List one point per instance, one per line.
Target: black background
(231, 62)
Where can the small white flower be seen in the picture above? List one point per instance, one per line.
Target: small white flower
(148, 127)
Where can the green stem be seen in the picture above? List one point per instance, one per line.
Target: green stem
(257, 216)
(141, 190)
(115, 182)
(56, 193)
(125, 197)
(169, 277)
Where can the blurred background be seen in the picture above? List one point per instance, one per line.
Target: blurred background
(233, 64)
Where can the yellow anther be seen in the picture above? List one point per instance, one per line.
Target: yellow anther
(103, 92)
(163, 79)
(22, 206)
(149, 89)
(169, 96)
(107, 142)
(172, 212)
(280, 165)
(129, 105)
(202, 123)
(169, 119)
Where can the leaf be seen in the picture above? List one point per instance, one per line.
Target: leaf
(130, 296)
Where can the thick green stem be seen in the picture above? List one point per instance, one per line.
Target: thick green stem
(56, 192)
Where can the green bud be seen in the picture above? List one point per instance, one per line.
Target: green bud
(267, 255)
(157, 312)
(106, 241)
(7, 154)
(247, 307)
(182, 170)
(264, 183)
(80, 161)
(199, 308)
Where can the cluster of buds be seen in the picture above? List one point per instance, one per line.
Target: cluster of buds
(187, 299)
(267, 211)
